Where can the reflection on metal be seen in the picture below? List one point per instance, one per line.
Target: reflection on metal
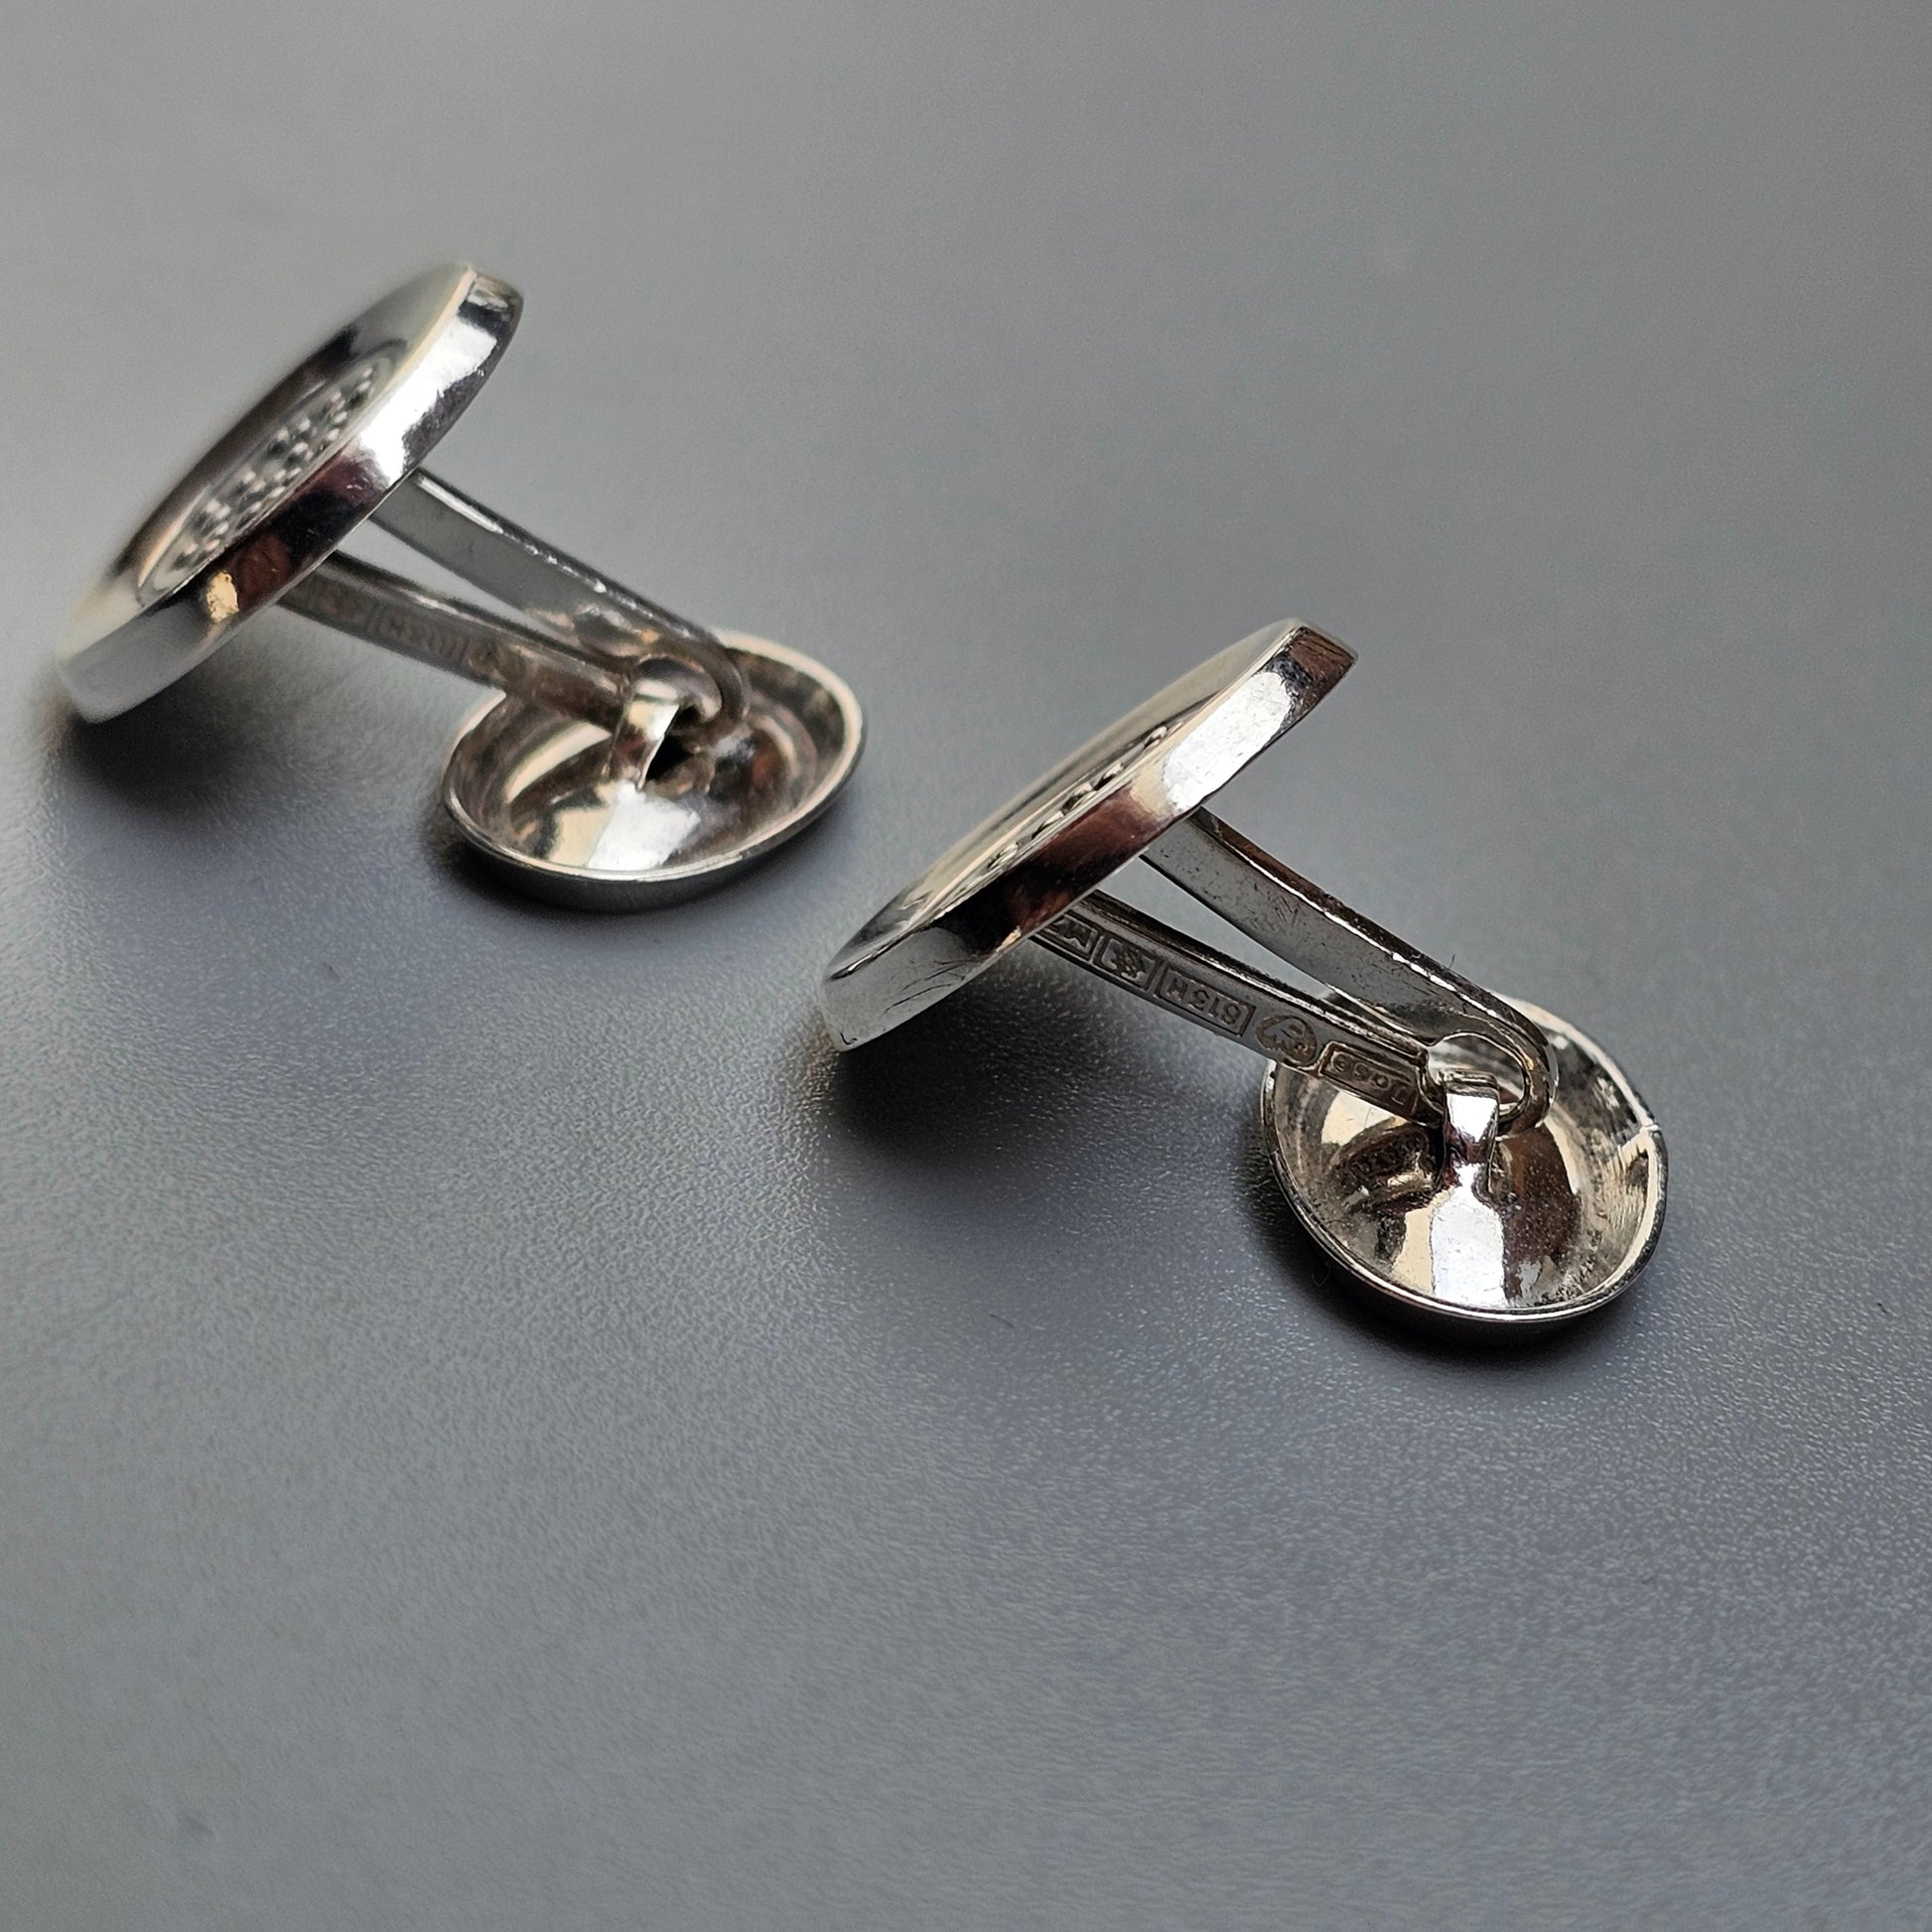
(613, 710)
(1463, 1155)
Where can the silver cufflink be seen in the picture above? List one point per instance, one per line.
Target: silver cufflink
(631, 755)
(1468, 1155)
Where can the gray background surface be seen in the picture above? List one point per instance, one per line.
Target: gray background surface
(497, 1430)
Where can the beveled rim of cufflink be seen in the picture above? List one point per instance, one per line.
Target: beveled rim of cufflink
(276, 495)
(1011, 877)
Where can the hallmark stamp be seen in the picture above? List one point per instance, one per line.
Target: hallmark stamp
(1286, 1036)
(1071, 936)
(1128, 964)
(1384, 1081)
(337, 602)
(1204, 1002)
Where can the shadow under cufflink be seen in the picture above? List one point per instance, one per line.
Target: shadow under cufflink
(232, 730)
(1006, 1068)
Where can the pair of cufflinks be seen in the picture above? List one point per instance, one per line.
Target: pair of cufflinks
(1471, 1158)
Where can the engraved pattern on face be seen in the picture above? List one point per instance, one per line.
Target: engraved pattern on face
(945, 888)
(310, 432)
(1059, 808)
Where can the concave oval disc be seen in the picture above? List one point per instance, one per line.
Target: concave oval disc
(1567, 1216)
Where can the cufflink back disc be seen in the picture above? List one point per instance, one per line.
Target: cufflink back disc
(632, 757)
(1463, 1155)
(1535, 1225)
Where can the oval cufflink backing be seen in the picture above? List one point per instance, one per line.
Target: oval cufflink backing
(631, 755)
(1466, 1155)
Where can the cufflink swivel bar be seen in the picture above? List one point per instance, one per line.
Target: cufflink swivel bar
(1393, 1006)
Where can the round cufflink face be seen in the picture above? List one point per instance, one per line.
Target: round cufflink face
(1084, 820)
(1555, 1221)
(286, 484)
(554, 803)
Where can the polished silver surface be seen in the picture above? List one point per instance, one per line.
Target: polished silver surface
(445, 1493)
(575, 814)
(1371, 970)
(724, 748)
(286, 484)
(1517, 1228)
(1536, 1141)
(1062, 837)
(601, 618)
